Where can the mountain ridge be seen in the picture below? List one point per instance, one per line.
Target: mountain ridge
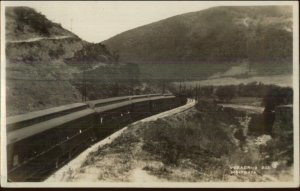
(222, 30)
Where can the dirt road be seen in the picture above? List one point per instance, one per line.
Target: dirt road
(38, 39)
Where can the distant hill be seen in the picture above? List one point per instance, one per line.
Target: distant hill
(260, 34)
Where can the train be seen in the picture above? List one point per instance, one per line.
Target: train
(38, 143)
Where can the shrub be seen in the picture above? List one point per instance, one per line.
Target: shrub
(56, 53)
(35, 20)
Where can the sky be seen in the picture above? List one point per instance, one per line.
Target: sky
(96, 21)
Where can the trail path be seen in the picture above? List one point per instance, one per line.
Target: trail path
(38, 39)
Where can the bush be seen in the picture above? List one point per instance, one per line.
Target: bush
(56, 53)
(35, 20)
(272, 94)
(91, 54)
(226, 93)
(189, 138)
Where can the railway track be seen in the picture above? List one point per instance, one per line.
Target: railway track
(38, 143)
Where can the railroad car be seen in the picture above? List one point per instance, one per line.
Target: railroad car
(120, 112)
(39, 141)
(103, 102)
(140, 108)
(162, 103)
(112, 117)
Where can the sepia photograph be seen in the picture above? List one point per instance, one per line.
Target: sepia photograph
(150, 94)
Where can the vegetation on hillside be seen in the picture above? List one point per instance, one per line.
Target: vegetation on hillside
(34, 20)
(24, 23)
(109, 80)
(272, 94)
(91, 55)
(258, 35)
(93, 71)
(47, 72)
(37, 74)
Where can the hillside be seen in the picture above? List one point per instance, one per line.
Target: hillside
(261, 36)
(48, 65)
(24, 23)
(37, 51)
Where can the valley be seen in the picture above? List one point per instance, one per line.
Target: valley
(55, 58)
(234, 65)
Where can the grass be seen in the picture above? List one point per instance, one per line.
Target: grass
(124, 142)
(185, 142)
(199, 146)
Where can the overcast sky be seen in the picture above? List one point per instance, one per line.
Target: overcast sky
(97, 21)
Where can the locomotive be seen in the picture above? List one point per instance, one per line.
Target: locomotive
(42, 141)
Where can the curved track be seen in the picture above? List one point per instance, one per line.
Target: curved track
(40, 142)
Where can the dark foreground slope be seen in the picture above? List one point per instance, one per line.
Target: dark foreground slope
(216, 36)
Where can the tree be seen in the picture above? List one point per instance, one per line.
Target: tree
(225, 93)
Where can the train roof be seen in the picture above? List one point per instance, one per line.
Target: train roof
(112, 106)
(94, 103)
(126, 103)
(29, 131)
(46, 113)
(144, 96)
(43, 120)
(155, 98)
(102, 102)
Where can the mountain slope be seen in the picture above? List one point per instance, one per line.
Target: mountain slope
(37, 71)
(24, 23)
(215, 35)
